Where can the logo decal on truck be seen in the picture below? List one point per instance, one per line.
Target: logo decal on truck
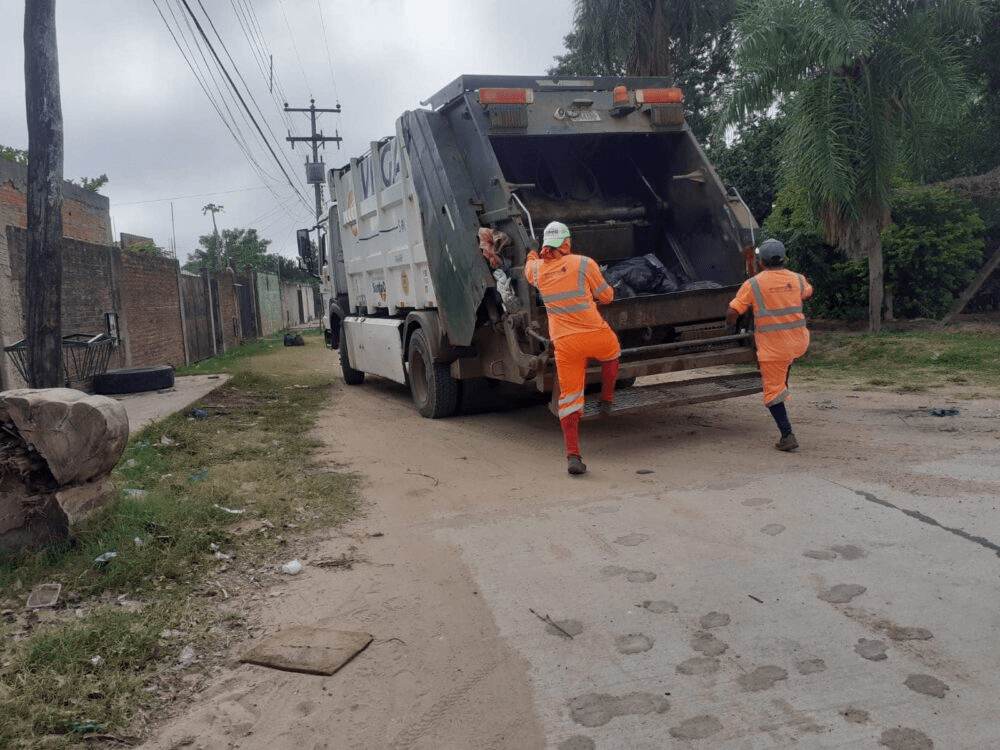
(389, 168)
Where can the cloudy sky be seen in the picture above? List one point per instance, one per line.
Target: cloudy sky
(134, 77)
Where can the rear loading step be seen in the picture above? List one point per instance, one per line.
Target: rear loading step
(677, 393)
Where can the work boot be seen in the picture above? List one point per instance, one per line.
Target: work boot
(576, 465)
(604, 407)
(787, 443)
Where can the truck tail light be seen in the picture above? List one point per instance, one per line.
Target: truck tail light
(506, 96)
(659, 96)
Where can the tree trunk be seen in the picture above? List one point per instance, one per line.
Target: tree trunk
(43, 287)
(876, 287)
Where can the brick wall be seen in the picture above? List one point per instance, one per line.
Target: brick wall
(151, 309)
(86, 214)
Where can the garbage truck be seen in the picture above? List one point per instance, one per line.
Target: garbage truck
(429, 229)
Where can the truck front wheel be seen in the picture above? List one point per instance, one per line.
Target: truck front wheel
(351, 376)
(434, 390)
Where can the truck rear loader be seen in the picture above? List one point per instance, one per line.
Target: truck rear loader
(429, 230)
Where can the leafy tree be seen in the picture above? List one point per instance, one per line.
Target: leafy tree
(969, 143)
(208, 257)
(233, 248)
(932, 251)
(638, 37)
(688, 42)
(866, 83)
(751, 164)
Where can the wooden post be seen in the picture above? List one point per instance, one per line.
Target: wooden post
(45, 176)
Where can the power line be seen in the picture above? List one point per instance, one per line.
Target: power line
(197, 195)
(242, 101)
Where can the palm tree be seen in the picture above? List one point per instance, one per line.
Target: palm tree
(865, 85)
(639, 37)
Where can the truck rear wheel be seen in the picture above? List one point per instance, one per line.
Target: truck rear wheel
(351, 376)
(434, 390)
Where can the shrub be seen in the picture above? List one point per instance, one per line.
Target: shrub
(930, 253)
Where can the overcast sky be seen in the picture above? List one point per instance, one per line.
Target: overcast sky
(134, 110)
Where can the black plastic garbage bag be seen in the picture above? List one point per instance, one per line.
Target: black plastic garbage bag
(644, 275)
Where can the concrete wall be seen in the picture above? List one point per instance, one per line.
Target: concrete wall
(269, 303)
(298, 306)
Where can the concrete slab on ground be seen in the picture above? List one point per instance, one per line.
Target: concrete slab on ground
(152, 406)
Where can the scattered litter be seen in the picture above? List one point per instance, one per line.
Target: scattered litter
(137, 542)
(102, 560)
(187, 655)
(142, 444)
(131, 463)
(96, 660)
(171, 633)
(199, 476)
(644, 471)
(199, 413)
(944, 412)
(223, 556)
(135, 493)
(167, 441)
(44, 595)
(292, 567)
(549, 621)
(229, 510)
(85, 727)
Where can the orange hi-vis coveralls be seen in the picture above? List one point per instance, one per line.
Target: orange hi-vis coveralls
(569, 285)
(776, 296)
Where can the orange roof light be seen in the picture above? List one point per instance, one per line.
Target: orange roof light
(620, 95)
(659, 96)
(506, 96)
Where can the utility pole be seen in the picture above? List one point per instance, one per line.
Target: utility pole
(315, 170)
(45, 175)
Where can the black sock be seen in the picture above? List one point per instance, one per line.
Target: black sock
(781, 418)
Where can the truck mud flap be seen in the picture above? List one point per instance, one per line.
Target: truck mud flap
(678, 393)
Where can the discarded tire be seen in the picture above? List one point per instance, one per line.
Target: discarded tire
(134, 379)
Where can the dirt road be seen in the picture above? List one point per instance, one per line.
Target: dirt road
(719, 594)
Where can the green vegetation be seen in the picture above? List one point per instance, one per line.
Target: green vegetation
(931, 252)
(202, 504)
(959, 363)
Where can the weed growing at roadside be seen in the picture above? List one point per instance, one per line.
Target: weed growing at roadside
(203, 503)
(903, 362)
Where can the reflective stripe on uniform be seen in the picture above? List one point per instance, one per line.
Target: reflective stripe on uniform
(763, 312)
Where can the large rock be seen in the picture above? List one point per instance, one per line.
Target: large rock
(58, 447)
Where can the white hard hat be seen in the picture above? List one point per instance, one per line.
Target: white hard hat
(555, 234)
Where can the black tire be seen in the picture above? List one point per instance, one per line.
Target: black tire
(351, 376)
(134, 380)
(434, 390)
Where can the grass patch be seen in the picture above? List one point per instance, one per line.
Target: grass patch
(904, 362)
(109, 652)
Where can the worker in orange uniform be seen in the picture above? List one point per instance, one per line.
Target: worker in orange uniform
(776, 295)
(569, 285)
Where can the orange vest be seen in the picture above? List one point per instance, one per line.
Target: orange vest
(569, 285)
(776, 296)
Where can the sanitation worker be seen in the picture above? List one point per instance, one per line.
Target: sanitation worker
(776, 295)
(569, 285)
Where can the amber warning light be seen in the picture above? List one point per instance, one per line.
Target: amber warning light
(659, 96)
(506, 96)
